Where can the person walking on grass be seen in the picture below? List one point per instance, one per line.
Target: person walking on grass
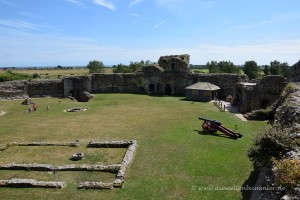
(34, 107)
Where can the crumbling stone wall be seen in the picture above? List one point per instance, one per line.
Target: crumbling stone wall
(117, 83)
(175, 63)
(295, 73)
(42, 88)
(259, 95)
(31, 88)
(12, 90)
(170, 77)
(288, 114)
(75, 85)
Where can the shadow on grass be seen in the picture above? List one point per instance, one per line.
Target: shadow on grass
(213, 134)
(250, 182)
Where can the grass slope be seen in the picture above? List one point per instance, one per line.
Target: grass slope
(172, 158)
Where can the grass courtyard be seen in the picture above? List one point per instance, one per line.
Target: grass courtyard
(174, 160)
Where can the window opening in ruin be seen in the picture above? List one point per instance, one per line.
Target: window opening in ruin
(173, 66)
(168, 89)
(264, 103)
(72, 93)
(151, 88)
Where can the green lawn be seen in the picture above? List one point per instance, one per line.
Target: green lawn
(172, 161)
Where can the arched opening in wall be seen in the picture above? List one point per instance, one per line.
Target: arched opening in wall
(168, 89)
(264, 103)
(172, 66)
(72, 93)
(151, 88)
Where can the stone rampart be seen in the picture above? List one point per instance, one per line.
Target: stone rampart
(162, 83)
(170, 77)
(13, 90)
(43, 88)
(31, 88)
(117, 83)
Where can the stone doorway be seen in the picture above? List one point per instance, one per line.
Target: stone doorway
(151, 88)
(264, 103)
(168, 90)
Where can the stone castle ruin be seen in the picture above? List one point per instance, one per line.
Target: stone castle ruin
(170, 76)
(295, 73)
(259, 93)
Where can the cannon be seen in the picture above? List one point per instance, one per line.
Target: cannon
(211, 126)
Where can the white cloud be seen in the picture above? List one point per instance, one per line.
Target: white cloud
(106, 4)
(134, 3)
(175, 5)
(160, 23)
(135, 15)
(19, 24)
(76, 2)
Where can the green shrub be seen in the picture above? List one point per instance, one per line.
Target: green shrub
(273, 142)
(36, 75)
(10, 76)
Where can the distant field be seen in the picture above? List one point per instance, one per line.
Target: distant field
(205, 71)
(174, 159)
(57, 73)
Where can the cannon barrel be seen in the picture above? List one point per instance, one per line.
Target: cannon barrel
(211, 121)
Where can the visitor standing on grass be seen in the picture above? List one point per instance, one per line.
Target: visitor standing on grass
(48, 107)
(30, 109)
(34, 107)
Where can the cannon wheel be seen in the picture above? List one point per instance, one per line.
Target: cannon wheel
(206, 127)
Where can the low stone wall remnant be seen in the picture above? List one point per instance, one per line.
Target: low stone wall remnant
(95, 185)
(31, 183)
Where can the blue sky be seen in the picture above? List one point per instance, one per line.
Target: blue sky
(74, 32)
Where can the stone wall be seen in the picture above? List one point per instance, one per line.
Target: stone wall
(73, 86)
(259, 95)
(170, 77)
(227, 82)
(288, 114)
(43, 88)
(295, 72)
(117, 83)
(31, 88)
(175, 63)
(12, 90)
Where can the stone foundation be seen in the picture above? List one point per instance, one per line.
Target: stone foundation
(119, 169)
(31, 183)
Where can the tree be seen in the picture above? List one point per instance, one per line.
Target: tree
(121, 68)
(266, 70)
(251, 69)
(278, 68)
(59, 67)
(285, 69)
(227, 67)
(275, 68)
(213, 67)
(133, 67)
(222, 67)
(95, 66)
